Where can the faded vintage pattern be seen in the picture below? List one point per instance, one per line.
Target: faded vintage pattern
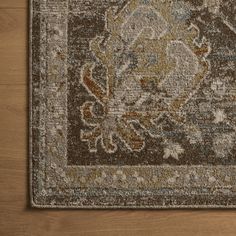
(133, 103)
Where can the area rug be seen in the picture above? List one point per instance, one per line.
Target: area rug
(133, 103)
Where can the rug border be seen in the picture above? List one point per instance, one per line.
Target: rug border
(30, 138)
(42, 206)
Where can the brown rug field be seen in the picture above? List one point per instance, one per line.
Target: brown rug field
(133, 103)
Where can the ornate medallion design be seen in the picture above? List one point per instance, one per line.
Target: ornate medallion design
(154, 65)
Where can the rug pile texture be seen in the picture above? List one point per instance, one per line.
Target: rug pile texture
(133, 103)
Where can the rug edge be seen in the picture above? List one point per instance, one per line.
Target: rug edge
(44, 206)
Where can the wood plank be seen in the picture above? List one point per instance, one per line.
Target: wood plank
(13, 4)
(12, 123)
(13, 46)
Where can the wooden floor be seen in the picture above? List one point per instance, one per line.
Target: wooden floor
(16, 218)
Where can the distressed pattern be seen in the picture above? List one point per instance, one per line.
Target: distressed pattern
(133, 103)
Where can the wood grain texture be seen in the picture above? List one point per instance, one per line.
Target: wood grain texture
(13, 34)
(17, 219)
(13, 4)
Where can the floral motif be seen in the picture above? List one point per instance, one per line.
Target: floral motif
(220, 116)
(144, 46)
(172, 150)
(223, 144)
